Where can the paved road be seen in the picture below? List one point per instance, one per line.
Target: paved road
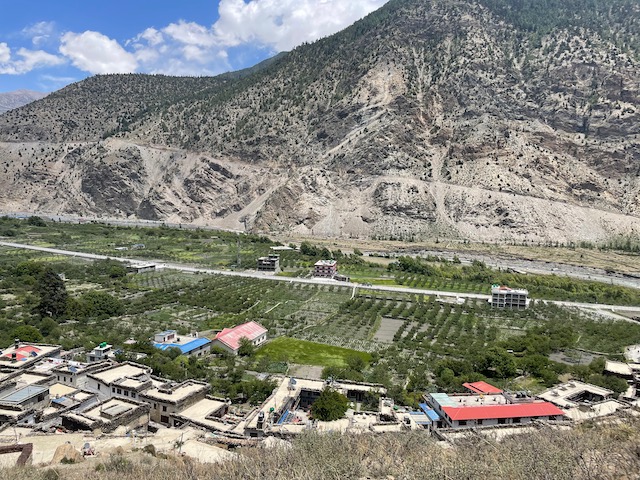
(159, 264)
(503, 262)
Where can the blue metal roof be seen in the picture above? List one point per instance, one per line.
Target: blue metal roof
(19, 396)
(185, 347)
(430, 412)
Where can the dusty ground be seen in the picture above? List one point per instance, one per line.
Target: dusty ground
(166, 440)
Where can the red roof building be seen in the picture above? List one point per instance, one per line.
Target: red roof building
(510, 411)
(482, 387)
(229, 338)
(465, 411)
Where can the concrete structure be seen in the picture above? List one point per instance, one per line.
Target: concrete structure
(141, 268)
(627, 371)
(125, 380)
(325, 268)
(470, 411)
(102, 352)
(286, 409)
(188, 344)
(108, 416)
(74, 374)
(229, 338)
(341, 278)
(505, 297)
(269, 264)
(169, 399)
(574, 393)
(208, 413)
(25, 355)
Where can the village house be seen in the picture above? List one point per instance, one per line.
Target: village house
(124, 380)
(192, 345)
(108, 415)
(505, 297)
(229, 338)
(270, 263)
(325, 268)
(25, 355)
(169, 399)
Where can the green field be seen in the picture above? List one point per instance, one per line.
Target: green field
(309, 353)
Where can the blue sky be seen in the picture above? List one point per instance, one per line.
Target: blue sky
(47, 44)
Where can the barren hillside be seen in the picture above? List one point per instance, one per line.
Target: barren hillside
(482, 120)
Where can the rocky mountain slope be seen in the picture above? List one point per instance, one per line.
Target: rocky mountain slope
(494, 119)
(18, 98)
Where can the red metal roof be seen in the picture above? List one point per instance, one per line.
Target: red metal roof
(518, 410)
(231, 336)
(482, 387)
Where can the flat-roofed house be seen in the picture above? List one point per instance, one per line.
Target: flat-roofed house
(170, 399)
(325, 268)
(505, 297)
(25, 355)
(108, 416)
(124, 380)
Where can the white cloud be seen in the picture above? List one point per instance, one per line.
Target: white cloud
(5, 53)
(40, 32)
(96, 53)
(30, 60)
(284, 24)
(191, 33)
(275, 25)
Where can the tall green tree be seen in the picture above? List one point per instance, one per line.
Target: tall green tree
(330, 405)
(53, 294)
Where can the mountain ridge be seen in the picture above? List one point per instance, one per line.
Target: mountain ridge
(18, 98)
(437, 118)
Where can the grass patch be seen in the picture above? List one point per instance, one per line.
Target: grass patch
(309, 353)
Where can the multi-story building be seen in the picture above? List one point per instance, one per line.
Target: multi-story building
(102, 352)
(269, 264)
(325, 268)
(505, 297)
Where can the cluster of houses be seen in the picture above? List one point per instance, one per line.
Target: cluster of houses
(43, 388)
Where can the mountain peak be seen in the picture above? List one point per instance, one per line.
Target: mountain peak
(488, 120)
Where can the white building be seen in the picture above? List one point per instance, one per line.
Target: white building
(505, 297)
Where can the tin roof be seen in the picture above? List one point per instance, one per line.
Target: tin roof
(184, 347)
(22, 394)
(481, 387)
(519, 410)
(231, 336)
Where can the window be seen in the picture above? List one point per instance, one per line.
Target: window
(164, 419)
(119, 391)
(98, 386)
(517, 420)
(480, 422)
(164, 408)
(133, 394)
(462, 423)
(126, 393)
(113, 389)
(502, 421)
(155, 406)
